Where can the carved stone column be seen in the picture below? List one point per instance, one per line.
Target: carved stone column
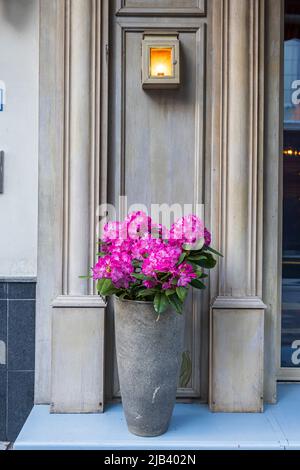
(78, 145)
(237, 317)
(77, 375)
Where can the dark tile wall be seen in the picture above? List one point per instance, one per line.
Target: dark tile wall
(17, 346)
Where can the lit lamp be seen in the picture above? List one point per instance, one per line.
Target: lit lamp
(160, 60)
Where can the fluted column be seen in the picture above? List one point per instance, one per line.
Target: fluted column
(237, 315)
(77, 145)
(241, 149)
(78, 317)
(85, 107)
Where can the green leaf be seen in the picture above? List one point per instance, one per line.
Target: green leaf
(136, 263)
(110, 292)
(160, 303)
(215, 252)
(146, 292)
(197, 284)
(85, 277)
(170, 292)
(210, 263)
(106, 287)
(202, 276)
(182, 293)
(140, 276)
(181, 258)
(207, 261)
(197, 257)
(176, 303)
(100, 284)
(162, 276)
(194, 247)
(194, 265)
(123, 295)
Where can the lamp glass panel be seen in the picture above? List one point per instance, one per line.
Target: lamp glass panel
(161, 62)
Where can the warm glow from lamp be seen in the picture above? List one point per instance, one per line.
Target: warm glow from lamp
(291, 152)
(161, 63)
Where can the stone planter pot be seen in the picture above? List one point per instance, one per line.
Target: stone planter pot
(149, 358)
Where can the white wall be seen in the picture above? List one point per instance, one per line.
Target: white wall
(19, 62)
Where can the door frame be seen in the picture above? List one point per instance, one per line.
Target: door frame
(273, 212)
(285, 374)
(52, 126)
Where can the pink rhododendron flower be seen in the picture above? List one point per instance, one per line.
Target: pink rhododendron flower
(186, 275)
(111, 231)
(207, 237)
(188, 229)
(167, 285)
(163, 259)
(149, 284)
(138, 224)
(117, 267)
(143, 246)
(102, 269)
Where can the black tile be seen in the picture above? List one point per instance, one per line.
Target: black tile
(3, 333)
(21, 290)
(3, 380)
(3, 290)
(21, 334)
(20, 401)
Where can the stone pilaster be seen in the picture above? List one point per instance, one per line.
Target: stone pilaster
(85, 59)
(239, 203)
(79, 352)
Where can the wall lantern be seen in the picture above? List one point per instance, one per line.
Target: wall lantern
(160, 60)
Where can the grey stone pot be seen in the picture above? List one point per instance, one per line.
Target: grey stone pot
(149, 357)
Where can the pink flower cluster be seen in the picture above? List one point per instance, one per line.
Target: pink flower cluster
(164, 259)
(116, 266)
(138, 247)
(187, 230)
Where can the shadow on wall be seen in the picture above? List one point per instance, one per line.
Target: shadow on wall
(16, 12)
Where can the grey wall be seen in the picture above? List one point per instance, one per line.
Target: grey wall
(19, 70)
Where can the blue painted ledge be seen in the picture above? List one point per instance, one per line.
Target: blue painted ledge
(193, 427)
